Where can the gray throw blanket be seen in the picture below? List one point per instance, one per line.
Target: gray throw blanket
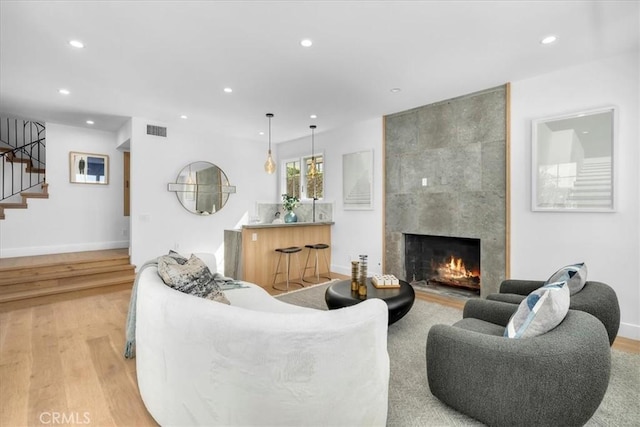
(224, 283)
(130, 331)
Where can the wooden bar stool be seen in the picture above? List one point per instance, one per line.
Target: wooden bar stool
(317, 247)
(287, 252)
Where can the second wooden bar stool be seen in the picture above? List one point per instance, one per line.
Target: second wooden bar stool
(287, 252)
(317, 247)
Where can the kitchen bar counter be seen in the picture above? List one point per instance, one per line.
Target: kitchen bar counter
(290, 224)
(255, 258)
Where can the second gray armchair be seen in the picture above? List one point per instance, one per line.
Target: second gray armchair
(595, 298)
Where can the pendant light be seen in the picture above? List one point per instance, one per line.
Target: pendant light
(269, 165)
(313, 172)
(312, 169)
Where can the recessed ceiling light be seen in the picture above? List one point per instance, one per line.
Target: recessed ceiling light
(306, 42)
(396, 90)
(183, 117)
(89, 122)
(76, 43)
(63, 91)
(260, 133)
(313, 116)
(228, 90)
(550, 39)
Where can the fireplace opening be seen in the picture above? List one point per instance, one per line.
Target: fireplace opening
(443, 261)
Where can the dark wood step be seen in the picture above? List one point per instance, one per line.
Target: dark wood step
(35, 195)
(13, 159)
(13, 205)
(31, 169)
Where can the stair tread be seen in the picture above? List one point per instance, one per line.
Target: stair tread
(35, 195)
(34, 293)
(14, 205)
(61, 274)
(14, 159)
(65, 281)
(36, 261)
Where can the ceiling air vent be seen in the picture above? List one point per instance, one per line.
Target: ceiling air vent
(156, 130)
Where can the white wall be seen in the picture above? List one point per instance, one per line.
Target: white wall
(354, 232)
(541, 242)
(158, 220)
(75, 217)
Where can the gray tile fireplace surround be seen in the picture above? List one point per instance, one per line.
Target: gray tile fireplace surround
(459, 146)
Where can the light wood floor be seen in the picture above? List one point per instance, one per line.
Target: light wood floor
(64, 360)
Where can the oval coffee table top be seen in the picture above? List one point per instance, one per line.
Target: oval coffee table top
(399, 300)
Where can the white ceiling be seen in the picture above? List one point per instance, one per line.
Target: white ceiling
(162, 59)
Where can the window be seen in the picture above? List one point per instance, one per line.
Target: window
(307, 185)
(292, 178)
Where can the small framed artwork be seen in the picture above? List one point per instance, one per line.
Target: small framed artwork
(573, 162)
(88, 168)
(357, 180)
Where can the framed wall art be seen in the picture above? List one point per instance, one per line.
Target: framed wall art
(357, 180)
(573, 162)
(88, 168)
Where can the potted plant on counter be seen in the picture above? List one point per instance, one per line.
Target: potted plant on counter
(289, 203)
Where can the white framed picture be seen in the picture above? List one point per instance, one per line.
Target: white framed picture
(573, 162)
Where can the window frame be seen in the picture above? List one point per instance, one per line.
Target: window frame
(302, 185)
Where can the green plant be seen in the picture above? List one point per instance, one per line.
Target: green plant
(289, 202)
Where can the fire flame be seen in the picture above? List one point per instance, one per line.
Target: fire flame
(455, 269)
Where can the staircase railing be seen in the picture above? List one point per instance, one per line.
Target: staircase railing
(21, 142)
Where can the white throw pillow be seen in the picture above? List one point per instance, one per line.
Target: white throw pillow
(540, 312)
(575, 275)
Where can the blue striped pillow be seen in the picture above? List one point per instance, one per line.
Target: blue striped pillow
(540, 312)
(575, 275)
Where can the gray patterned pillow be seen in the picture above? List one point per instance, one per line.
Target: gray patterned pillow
(179, 258)
(540, 312)
(575, 275)
(193, 277)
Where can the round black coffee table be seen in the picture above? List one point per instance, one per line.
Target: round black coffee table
(399, 300)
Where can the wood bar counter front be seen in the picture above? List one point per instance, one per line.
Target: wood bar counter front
(260, 241)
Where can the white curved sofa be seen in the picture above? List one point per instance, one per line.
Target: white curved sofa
(258, 361)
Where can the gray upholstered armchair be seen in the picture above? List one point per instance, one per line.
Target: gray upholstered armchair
(557, 378)
(596, 298)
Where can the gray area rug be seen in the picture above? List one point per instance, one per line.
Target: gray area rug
(412, 404)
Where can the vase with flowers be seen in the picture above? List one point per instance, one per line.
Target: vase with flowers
(289, 203)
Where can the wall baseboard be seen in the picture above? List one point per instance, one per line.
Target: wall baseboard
(629, 330)
(59, 249)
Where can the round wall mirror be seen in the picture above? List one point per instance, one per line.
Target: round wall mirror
(202, 188)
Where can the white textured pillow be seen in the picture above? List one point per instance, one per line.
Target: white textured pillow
(575, 275)
(540, 312)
